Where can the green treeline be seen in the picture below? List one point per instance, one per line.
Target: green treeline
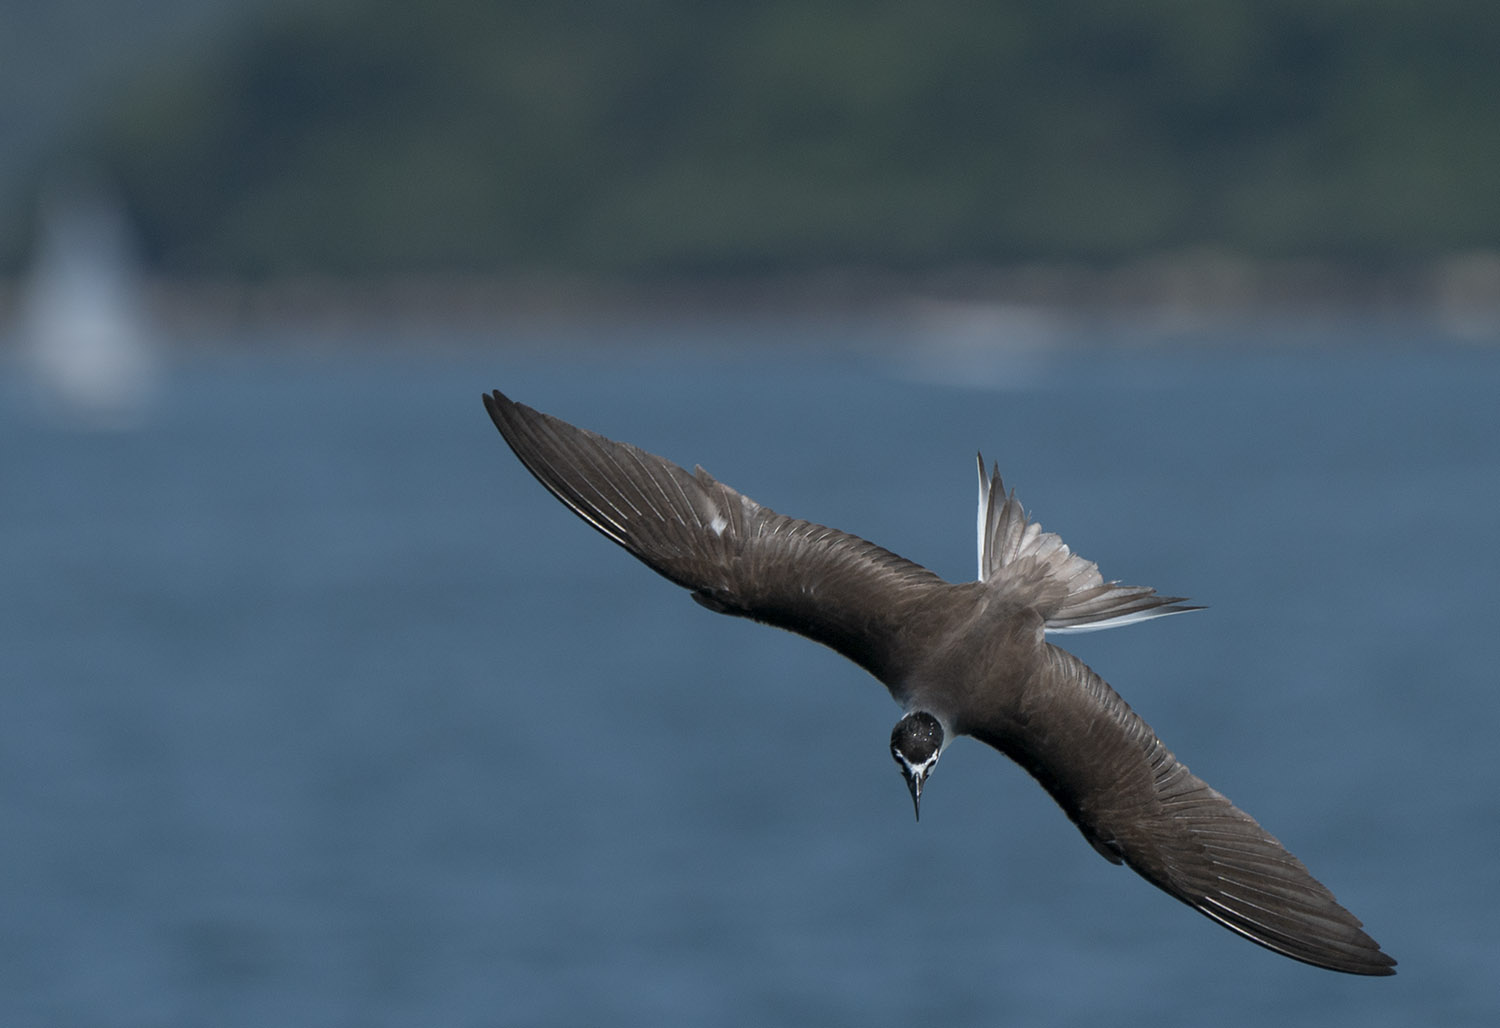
(641, 137)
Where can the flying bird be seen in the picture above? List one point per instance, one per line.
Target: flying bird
(970, 659)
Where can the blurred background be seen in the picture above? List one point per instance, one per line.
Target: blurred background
(315, 709)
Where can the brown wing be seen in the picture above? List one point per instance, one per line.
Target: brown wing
(1136, 803)
(736, 556)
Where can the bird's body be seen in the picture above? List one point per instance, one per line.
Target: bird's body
(963, 659)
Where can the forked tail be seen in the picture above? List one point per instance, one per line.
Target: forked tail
(1037, 567)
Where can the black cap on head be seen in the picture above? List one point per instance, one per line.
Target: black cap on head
(917, 737)
(916, 742)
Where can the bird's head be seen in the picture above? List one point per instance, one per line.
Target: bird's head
(916, 743)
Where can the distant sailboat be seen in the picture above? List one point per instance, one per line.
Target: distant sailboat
(83, 321)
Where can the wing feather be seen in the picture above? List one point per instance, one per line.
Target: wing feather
(736, 556)
(1137, 803)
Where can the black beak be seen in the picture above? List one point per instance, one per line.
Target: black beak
(914, 783)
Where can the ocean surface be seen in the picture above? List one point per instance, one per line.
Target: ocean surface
(315, 709)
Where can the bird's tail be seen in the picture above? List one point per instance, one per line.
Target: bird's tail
(1016, 556)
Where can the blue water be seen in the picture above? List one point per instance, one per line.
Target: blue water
(316, 710)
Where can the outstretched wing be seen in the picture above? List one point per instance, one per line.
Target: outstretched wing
(1136, 803)
(736, 556)
(1037, 568)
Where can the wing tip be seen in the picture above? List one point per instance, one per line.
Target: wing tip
(496, 401)
(1360, 955)
(496, 404)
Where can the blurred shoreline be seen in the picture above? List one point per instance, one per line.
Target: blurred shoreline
(1193, 293)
